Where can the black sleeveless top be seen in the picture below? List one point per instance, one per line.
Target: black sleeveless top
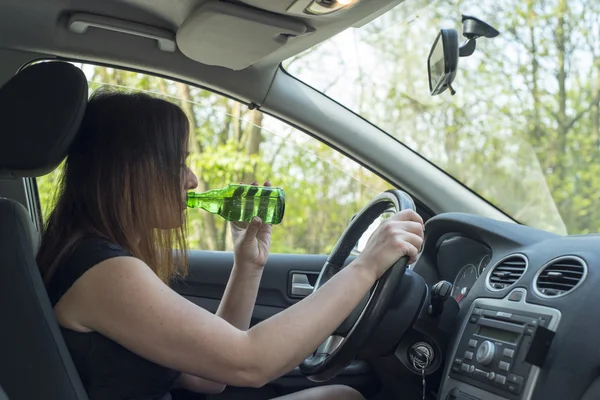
(108, 370)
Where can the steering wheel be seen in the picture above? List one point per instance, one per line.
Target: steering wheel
(343, 345)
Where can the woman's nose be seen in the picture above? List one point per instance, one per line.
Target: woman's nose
(192, 180)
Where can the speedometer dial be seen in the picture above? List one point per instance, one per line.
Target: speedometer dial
(464, 282)
(483, 263)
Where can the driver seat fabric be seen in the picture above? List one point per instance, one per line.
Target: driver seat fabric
(41, 109)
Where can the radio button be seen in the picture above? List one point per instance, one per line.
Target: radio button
(516, 379)
(455, 369)
(513, 388)
(529, 330)
(464, 367)
(504, 314)
(481, 374)
(457, 361)
(508, 353)
(472, 343)
(485, 352)
(501, 379)
(468, 355)
(484, 374)
(504, 366)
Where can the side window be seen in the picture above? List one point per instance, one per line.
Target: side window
(231, 143)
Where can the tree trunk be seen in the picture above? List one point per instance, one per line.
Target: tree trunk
(224, 134)
(162, 86)
(562, 71)
(236, 111)
(255, 129)
(561, 150)
(253, 138)
(595, 114)
(535, 93)
(183, 91)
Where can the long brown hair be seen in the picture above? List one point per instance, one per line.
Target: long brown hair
(122, 179)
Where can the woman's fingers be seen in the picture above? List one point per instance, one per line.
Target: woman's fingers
(411, 226)
(407, 215)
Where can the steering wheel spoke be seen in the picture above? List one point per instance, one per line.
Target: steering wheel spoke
(330, 345)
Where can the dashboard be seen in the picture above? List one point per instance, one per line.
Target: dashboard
(527, 324)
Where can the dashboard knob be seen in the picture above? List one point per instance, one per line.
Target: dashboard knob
(485, 352)
(454, 394)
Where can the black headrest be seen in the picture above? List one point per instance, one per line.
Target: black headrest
(41, 109)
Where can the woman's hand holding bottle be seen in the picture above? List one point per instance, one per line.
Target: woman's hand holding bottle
(251, 241)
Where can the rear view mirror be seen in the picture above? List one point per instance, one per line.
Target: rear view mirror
(443, 57)
(443, 62)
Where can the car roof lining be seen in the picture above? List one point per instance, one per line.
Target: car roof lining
(51, 37)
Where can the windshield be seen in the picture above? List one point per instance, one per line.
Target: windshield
(522, 131)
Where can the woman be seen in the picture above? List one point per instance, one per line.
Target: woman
(103, 258)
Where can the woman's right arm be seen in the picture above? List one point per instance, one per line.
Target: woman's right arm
(124, 300)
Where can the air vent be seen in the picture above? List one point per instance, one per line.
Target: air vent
(507, 272)
(560, 276)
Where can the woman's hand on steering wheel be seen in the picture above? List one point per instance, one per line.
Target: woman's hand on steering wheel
(398, 236)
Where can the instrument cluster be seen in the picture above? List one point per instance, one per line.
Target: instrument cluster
(466, 278)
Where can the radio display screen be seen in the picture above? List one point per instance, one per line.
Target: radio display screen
(498, 334)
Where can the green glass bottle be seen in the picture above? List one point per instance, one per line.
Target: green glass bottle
(242, 203)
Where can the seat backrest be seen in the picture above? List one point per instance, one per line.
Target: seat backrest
(41, 109)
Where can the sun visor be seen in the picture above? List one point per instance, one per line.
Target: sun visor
(234, 36)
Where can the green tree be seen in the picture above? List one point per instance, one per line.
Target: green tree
(523, 129)
(230, 143)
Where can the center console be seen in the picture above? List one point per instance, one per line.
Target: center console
(489, 357)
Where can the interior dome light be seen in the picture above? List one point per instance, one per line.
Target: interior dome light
(322, 7)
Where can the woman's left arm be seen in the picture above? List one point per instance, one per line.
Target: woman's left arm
(251, 249)
(251, 244)
(236, 308)
(240, 295)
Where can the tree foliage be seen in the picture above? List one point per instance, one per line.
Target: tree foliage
(233, 144)
(522, 131)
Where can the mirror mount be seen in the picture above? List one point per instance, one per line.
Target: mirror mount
(473, 29)
(467, 48)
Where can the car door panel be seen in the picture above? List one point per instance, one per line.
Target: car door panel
(210, 270)
(205, 284)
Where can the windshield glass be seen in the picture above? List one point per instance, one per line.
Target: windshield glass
(522, 131)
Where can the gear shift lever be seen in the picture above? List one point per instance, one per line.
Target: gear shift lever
(440, 292)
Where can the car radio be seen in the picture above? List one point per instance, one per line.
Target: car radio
(491, 352)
